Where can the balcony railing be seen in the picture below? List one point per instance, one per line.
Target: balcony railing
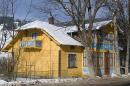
(102, 46)
(31, 44)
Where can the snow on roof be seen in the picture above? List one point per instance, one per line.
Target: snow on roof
(54, 31)
(1, 27)
(3, 55)
(96, 25)
(2, 38)
(8, 33)
(58, 33)
(9, 37)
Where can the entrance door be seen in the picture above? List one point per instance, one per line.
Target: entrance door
(106, 64)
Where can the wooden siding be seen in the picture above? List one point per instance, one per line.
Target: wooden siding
(44, 62)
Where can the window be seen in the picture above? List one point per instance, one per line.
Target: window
(94, 45)
(23, 44)
(100, 57)
(31, 43)
(38, 43)
(71, 60)
(34, 35)
(110, 36)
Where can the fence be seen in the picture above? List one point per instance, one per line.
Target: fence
(30, 72)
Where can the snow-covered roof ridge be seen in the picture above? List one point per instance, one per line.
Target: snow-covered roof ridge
(54, 31)
(96, 26)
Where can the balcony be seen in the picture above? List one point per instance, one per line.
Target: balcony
(37, 44)
(102, 46)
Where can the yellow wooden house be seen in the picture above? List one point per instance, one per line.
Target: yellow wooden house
(44, 50)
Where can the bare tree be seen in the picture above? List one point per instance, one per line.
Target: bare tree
(4, 11)
(79, 10)
(118, 8)
(123, 23)
(128, 41)
(113, 6)
(47, 8)
(8, 8)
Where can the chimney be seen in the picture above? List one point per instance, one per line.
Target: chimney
(51, 20)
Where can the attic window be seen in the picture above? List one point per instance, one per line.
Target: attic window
(34, 35)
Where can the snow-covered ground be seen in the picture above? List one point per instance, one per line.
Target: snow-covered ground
(30, 82)
(21, 81)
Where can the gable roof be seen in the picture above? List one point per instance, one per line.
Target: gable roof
(54, 31)
(58, 33)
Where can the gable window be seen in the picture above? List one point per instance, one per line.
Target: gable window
(71, 60)
(34, 35)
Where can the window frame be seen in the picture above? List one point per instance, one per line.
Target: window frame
(68, 60)
(34, 36)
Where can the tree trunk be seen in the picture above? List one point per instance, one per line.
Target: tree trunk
(117, 60)
(128, 41)
(89, 63)
(127, 56)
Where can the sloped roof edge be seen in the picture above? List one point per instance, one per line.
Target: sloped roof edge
(52, 30)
